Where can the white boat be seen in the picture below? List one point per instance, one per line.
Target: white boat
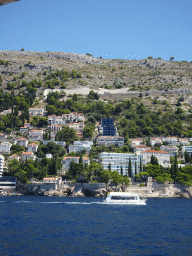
(124, 198)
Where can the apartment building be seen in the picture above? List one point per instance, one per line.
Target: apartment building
(77, 126)
(136, 142)
(32, 147)
(79, 146)
(36, 111)
(140, 148)
(163, 157)
(66, 163)
(14, 157)
(110, 140)
(5, 147)
(154, 141)
(188, 149)
(36, 135)
(24, 129)
(55, 128)
(22, 142)
(184, 141)
(28, 155)
(172, 150)
(118, 160)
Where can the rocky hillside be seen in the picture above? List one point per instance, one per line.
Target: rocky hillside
(134, 75)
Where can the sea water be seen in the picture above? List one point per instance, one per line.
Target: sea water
(88, 226)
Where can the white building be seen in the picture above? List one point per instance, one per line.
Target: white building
(184, 142)
(49, 156)
(5, 147)
(36, 111)
(28, 155)
(7, 111)
(3, 137)
(136, 142)
(58, 120)
(22, 142)
(170, 140)
(118, 160)
(28, 126)
(188, 149)
(163, 157)
(14, 157)
(1, 164)
(77, 126)
(140, 148)
(81, 145)
(55, 128)
(67, 160)
(36, 135)
(74, 117)
(154, 141)
(110, 140)
(172, 150)
(23, 129)
(32, 147)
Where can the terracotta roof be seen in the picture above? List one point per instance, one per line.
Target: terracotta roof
(142, 146)
(27, 153)
(22, 139)
(157, 152)
(35, 130)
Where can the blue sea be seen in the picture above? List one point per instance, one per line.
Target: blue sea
(86, 226)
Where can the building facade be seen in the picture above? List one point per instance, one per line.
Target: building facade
(163, 157)
(32, 147)
(119, 161)
(66, 163)
(79, 146)
(36, 111)
(172, 150)
(107, 127)
(28, 155)
(110, 140)
(22, 142)
(5, 147)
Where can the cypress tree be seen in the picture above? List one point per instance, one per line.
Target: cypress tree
(121, 170)
(109, 167)
(140, 165)
(135, 168)
(129, 168)
(175, 166)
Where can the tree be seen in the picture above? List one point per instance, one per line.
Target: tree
(1, 80)
(135, 168)
(154, 160)
(185, 176)
(121, 170)
(140, 163)
(22, 49)
(175, 166)
(129, 168)
(105, 176)
(172, 58)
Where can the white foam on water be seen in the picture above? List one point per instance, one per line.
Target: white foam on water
(21, 201)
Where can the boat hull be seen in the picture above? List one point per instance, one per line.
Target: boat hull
(135, 202)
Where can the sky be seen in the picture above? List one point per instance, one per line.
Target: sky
(121, 29)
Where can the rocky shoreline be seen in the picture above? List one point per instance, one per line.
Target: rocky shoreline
(154, 191)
